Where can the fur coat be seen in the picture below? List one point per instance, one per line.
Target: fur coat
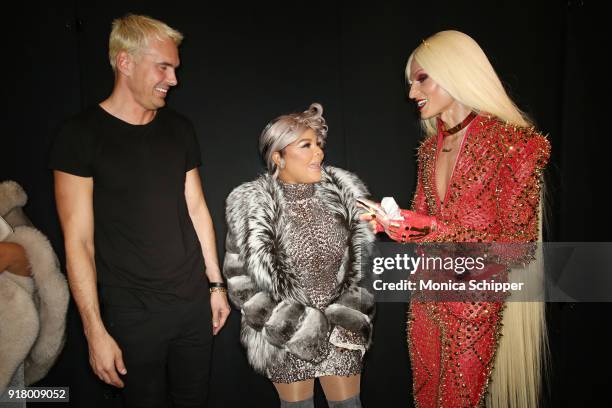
(32, 310)
(276, 315)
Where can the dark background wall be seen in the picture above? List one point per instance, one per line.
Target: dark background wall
(244, 64)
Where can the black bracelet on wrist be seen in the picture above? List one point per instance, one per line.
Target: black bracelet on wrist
(217, 285)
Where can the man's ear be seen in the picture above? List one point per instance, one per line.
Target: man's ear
(124, 63)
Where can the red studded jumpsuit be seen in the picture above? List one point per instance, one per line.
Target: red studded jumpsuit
(493, 196)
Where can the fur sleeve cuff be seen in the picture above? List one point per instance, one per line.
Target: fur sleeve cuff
(353, 311)
(301, 330)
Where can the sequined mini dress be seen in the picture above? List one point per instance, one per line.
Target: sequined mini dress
(316, 245)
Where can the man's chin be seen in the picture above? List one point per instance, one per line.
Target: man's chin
(157, 102)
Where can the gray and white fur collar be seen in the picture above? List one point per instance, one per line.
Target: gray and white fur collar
(255, 209)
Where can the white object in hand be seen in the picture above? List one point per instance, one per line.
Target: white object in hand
(391, 208)
(5, 229)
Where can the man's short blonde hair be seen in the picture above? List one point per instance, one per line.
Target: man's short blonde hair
(131, 33)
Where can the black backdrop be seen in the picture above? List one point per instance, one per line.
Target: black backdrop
(243, 64)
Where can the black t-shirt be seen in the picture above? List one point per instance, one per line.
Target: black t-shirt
(144, 238)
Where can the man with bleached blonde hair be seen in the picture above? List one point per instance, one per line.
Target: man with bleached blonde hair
(137, 230)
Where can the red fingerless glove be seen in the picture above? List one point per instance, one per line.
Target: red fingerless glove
(412, 226)
(379, 227)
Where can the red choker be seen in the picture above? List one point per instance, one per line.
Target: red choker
(455, 129)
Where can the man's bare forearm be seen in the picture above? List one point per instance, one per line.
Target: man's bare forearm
(203, 225)
(82, 278)
(73, 196)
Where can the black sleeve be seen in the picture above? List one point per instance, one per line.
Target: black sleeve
(72, 149)
(193, 157)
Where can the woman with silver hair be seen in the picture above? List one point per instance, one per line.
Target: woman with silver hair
(292, 262)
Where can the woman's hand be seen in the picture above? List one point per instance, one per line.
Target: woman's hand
(13, 259)
(373, 211)
(371, 219)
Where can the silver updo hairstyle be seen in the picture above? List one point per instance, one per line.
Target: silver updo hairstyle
(286, 129)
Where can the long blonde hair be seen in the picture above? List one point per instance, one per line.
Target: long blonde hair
(458, 64)
(521, 360)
